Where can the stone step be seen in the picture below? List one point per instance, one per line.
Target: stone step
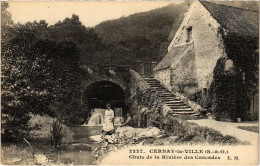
(179, 106)
(181, 115)
(196, 114)
(151, 80)
(182, 109)
(176, 104)
(163, 91)
(182, 112)
(148, 78)
(174, 101)
(166, 94)
(155, 84)
(170, 98)
(159, 88)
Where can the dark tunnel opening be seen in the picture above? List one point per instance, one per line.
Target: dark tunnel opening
(100, 93)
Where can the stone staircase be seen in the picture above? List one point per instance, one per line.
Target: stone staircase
(177, 107)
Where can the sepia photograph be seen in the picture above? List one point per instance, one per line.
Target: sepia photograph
(129, 82)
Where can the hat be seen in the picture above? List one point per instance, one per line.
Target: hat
(108, 105)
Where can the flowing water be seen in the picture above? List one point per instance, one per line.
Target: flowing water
(80, 151)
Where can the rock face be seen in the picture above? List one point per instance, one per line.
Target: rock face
(131, 132)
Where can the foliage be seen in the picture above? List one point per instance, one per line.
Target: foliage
(36, 75)
(142, 96)
(86, 39)
(15, 151)
(190, 132)
(231, 91)
(18, 154)
(249, 128)
(251, 5)
(40, 129)
(6, 22)
(56, 134)
(41, 159)
(224, 91)
(138, 37)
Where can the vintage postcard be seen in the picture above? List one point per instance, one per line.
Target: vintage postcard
(129, 82)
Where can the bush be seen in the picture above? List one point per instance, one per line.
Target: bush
(191, 132)
(56, 134)
(41, 127)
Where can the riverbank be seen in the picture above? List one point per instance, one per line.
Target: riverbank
(178, 133)
(132, 142)
(129, 143)
(74, 146)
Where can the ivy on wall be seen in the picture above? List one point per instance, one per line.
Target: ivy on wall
(231, 90)
(142, 96)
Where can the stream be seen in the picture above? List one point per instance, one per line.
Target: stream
(80, 151)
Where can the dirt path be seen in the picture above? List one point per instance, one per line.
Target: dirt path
(230, 128)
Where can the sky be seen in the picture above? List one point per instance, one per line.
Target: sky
(90, 13)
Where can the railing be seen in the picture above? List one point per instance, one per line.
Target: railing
(143, 68)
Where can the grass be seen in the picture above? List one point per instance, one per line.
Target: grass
(20, 153)
(250, 128)
(41, 129)
(13, 154)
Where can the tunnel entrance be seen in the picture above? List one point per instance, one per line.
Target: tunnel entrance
(98, 94)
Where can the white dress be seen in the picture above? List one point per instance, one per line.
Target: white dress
(108, 120)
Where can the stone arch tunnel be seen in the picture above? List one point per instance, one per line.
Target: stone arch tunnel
(99, 93)
(101, 85)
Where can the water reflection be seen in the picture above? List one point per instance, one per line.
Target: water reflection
(80, 151)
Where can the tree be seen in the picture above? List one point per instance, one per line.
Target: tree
(70, 29)
(6, 23)
(23, 90)
(38, 74)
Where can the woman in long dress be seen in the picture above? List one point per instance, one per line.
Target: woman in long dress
(108, 125)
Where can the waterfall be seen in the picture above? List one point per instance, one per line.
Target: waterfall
(97, 117)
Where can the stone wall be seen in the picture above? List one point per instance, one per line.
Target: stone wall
(145, 103)
(164, 76)
(208, 42)
(191, 72)
(90, 74)
(184, 76)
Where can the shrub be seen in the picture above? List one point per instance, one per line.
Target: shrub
(56, 134)
(41, 129)
(191, 132)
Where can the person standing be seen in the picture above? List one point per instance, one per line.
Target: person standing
(108, 126)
